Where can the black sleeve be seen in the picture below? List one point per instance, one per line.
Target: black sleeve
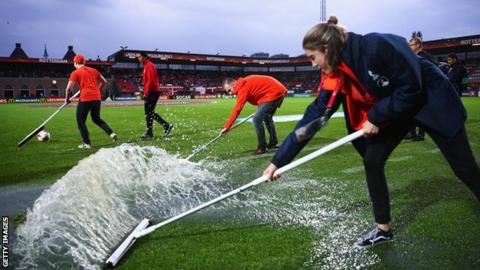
(291, 146)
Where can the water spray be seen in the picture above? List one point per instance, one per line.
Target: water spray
(142, 228)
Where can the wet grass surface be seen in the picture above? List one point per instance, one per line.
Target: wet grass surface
(223, 246)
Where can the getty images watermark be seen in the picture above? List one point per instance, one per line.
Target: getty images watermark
(5, 249)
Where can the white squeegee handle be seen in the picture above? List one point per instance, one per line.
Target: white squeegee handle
(255, 182)
(199, 149)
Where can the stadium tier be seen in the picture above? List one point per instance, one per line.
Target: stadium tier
(22, 77)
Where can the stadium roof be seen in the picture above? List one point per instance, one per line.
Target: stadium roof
(456, 45)
(466, 45)
(18, 52)
(130, 56)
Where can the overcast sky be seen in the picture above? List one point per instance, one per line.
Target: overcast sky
(229, 27)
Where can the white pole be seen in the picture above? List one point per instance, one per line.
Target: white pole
(35, 131)
(196, 151)
(255, 182)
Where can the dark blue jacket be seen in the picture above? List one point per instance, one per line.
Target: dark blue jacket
(455, 75)
(408, 87)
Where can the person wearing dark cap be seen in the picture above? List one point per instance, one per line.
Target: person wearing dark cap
(91, 82)
(151, 93)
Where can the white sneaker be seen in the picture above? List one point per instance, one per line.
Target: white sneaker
(84, 146)
(114, 137)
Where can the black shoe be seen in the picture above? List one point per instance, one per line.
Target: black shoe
(147, 135)
(418, 138)
(409, 136)
(260, 150)
(375, 237)
(272, 146)
(167, 130)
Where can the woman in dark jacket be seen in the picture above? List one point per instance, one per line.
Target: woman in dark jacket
(385, 89)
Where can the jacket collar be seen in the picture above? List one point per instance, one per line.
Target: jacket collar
(351, 52)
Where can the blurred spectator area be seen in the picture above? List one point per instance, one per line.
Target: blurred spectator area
(206, 82)
(473, 76)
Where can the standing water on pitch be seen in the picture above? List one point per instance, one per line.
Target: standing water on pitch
(80, 219)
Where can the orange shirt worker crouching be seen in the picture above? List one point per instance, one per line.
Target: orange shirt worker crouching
(263, 91)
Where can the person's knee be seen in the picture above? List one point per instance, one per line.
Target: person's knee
(268, 118)
(149, 114)
(148, 109)
(257, 119)
(373, 161)
(97, 121)
(81, 125)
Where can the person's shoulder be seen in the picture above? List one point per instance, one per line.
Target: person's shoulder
(242, 81)
(387, 44)
(147, 63)
(90, 68)
(422, 53)
(385, 38)
(256, 77)
(371, 41)
(74, 74)
(248, 77)
(426, 55)
(252, 80)
(373, 44)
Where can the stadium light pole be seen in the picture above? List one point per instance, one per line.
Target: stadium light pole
(323, 10)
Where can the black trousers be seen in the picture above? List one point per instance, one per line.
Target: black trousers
(150, 113)
(377, 149)
(83, 109)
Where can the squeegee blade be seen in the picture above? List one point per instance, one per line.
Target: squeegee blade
(117, 255)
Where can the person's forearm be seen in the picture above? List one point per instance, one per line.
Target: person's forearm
(67, 91)
(288, 150)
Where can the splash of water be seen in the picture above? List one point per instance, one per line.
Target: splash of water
(320, 204)
(83, 216)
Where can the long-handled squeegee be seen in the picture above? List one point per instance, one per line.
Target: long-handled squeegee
(42, 125)
(142, 230)
(201, 148)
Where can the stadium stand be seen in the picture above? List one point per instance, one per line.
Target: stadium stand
(193, 74)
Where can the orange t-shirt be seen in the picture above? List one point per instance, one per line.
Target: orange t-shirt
(256, 89)
(87, 79)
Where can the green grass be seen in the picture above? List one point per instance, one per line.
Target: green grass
(435, 217)
(222, 246)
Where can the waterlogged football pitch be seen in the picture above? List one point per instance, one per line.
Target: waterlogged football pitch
(310, 219)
